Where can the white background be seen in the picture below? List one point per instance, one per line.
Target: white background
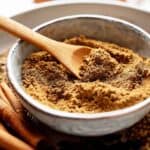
(11, 7)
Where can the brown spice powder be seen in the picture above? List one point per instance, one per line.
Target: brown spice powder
(113, 77)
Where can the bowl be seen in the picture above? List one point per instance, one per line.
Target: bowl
(98, 27)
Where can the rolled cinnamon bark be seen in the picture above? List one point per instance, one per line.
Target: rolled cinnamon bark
(8, 141)
(10, 96)
(3, 96)
(2, 127)
(8, 115)
(39, 1)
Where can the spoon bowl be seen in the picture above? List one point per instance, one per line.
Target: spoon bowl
(97, 27)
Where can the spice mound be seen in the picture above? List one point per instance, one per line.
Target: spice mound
(112, 77)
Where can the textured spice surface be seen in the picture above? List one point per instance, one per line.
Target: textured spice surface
(113, 77)
(134, 138)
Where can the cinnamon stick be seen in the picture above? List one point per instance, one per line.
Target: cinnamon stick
(10, 116)
(39, 1)
(3, 96)
(10, 96)
(2, 127)
(8, 141)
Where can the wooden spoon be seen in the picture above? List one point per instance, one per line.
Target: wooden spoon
(71, 56)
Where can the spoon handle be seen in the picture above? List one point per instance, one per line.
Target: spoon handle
(26, 33)
(67, 54)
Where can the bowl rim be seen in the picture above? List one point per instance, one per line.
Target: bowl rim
(63, 114)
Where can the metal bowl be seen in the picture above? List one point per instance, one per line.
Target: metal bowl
(98, 27)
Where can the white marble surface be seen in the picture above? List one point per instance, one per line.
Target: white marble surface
(12, 7)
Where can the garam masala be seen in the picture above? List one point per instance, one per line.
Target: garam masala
(112, 77)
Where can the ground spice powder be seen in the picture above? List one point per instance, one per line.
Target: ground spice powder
(112, 77)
